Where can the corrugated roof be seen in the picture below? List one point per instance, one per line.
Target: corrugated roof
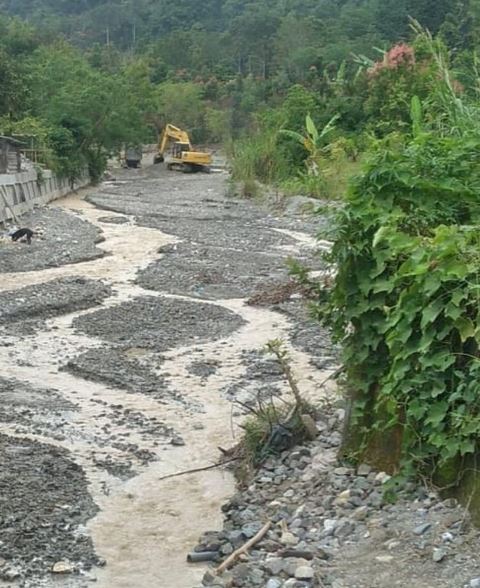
(11, 140)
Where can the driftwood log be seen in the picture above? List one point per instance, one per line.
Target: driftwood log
(231, 559)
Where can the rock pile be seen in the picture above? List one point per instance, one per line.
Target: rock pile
(325, 514)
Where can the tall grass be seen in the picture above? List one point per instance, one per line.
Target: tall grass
(258, 158)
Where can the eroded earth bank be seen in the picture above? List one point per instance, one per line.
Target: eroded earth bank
(126, 338)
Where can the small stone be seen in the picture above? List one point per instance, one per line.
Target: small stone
(450, 503)
(62, 567)
(330, 524)
(236, 538)
(475, 583)
(344, 529)
(309, 426)
(256, 576)
(439, 554)
(226, 549)
(422, 529)
(288, 538)
(273, 583)
(382, 478)
(384, 558)
(447, 537)
(177, 442)
(208, 578)
(341, 471)
(363, 470)
(274, 565)
(304, 573)
(10, 574)
(241, 571)
(360, 513)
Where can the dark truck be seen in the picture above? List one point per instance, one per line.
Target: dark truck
(133, 156)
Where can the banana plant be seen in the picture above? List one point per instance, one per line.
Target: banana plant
(313, 141)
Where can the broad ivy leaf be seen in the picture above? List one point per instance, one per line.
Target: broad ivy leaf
(430, 313)
(437, 413)
(465, 328)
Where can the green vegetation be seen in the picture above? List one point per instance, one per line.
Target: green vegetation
(405, 303)
(86, 77)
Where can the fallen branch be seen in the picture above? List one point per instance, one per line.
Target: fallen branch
(196, 470)
(253, 541)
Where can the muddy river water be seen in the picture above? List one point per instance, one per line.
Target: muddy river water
(157, 363)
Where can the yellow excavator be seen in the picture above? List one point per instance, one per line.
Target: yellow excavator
(183, 158)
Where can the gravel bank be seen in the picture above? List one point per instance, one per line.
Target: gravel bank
(23, 311)
(212, 272)
(159, 323)
(29, 410)
(65, 239)
(333, 526)
(44, 503)
(115, 367)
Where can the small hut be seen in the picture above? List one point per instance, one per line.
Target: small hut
(10, 155)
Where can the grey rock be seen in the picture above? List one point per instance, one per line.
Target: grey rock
(475, 583)
(363, 470)
(274, 565)
(208, 578)
(273, 583)
(251, 529)
(344, 529)
(226, 549)
(422, 529)
(236, 538)
(241, 571)
(304, 573)
(439, 554)
(360, 513)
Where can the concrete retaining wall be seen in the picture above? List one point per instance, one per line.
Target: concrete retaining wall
(21, 192)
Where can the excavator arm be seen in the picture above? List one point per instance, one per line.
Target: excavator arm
(172, 133)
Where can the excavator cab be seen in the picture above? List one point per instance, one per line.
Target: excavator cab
(179, 148)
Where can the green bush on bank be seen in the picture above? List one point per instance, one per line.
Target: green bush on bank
(406, 299)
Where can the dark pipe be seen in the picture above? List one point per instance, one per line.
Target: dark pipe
(202, 556)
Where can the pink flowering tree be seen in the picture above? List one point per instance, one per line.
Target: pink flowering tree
(392, 82)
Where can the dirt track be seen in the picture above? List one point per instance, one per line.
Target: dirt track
(120, 366)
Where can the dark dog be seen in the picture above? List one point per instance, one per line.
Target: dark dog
(21, 233)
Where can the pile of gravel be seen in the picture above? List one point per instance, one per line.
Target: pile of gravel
(63, 239)
(332, 526)
(114, 220)
(158, 323)
(112, 366)
(211, 272)
(44, 505)
(24, 310)
(31, 410)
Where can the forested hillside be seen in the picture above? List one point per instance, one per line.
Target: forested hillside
(232, 36)
(85, 77)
